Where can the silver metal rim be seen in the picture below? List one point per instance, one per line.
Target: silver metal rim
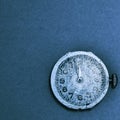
(53, 75)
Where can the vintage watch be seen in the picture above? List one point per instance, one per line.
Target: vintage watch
(80, 80)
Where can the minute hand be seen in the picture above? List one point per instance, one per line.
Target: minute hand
(79, 72)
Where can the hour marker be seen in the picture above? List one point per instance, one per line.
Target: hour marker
(65, 71)
(62, 80)
(71, 64)
(64, 89)
(70, 95)
(79, 97)
(95, 89)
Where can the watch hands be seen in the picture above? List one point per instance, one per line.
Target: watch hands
(79, 72)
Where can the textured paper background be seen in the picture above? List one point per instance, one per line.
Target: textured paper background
(34, 34)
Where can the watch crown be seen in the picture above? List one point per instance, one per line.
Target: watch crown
(114, 80)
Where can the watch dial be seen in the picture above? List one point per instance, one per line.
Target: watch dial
(80, 81)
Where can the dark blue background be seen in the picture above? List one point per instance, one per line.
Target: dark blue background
(34, 34)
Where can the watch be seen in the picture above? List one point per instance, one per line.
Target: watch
(80, 80)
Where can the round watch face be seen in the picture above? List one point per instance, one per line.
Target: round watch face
(79, 80)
